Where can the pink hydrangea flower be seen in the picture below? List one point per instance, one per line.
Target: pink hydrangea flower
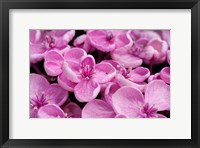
(78, 72)
(108, 40)
(129, 102)
(148, 47)
(44, 40)
(130, 77)
(58, 64)
(42, 93)
(91, 76)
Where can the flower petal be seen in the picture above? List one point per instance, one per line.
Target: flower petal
(168, 57)
(157, 94)
(62, 37)
(128, 60)
(104, 72)
(98, 39)
(55, 94)
(74, 55)
(72, 110)
(160, 116)
(71, 72)
(154, 77)
(65, 83)
(79, 41)
(127, 101)
(122, 81)
(86, 90)
(109, 91)
(98, 109)
(165, 75)
(140, 74)
(36, 53)
(33, 112)
(38, 85)
(160, 51)
(88, 60)
(51, 111)
(53, 63)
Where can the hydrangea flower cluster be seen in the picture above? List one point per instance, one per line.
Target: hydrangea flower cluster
(100, 74)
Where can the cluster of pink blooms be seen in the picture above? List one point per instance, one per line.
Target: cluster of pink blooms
(100, 73)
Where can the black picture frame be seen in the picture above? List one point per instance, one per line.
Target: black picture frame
(5, 5)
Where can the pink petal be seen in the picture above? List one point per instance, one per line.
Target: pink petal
(128, 60)
(33, 112)
(65, 83)
(114, 63)
(71, 72)
(104, 72)
(36, 53)
(88, 60)
(154, 77)
(53, 63)
(165, 75)
(149, 35)
(55, 94)
(53, 69)
(168, 57)
(123, 39)
(35, 36)
(88, 47)
(74, 55)
(147, 54)
(38, 85)
(98, 39)
(109, 91)
(139, 74)
(79, 41)
(160, 50)
(86, 90)
(160, 116)
(98, 109)
(62, 37)
(127, 101)
(122, 81)
(51, 111)
(72, 110)
(157, 94)
(120, 116)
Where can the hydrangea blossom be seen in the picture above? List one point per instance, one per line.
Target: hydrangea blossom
(129, 102)
(44, 40)
(42, 94)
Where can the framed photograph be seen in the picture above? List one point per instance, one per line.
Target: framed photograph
(99, 73)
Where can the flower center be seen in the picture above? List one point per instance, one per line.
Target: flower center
(38, 101)
(148, 111)
(109, 36)
(124, 71)
(87, 71)
(49, 42)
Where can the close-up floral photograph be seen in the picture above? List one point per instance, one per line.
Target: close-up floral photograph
(99, 73)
